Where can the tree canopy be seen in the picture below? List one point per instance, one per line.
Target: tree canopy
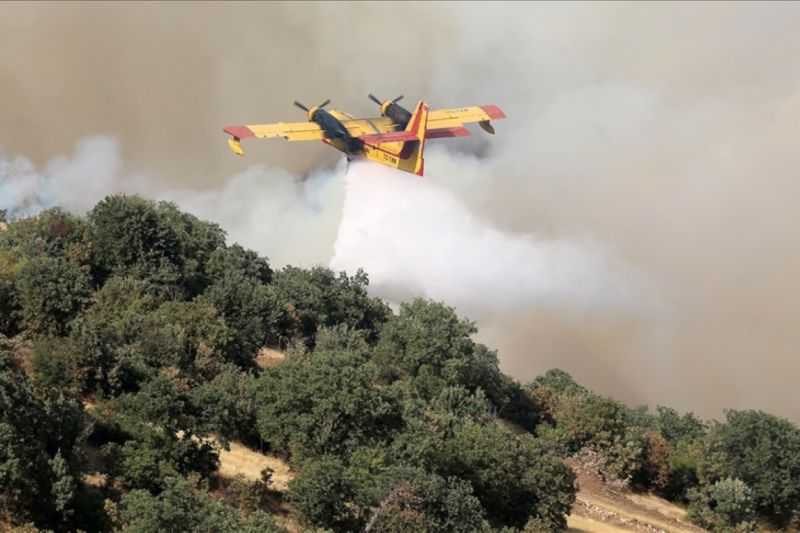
(132, 346)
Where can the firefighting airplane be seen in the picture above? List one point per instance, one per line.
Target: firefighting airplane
(396, 138)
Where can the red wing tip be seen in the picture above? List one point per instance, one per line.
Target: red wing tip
(493, 111)
(240, 132)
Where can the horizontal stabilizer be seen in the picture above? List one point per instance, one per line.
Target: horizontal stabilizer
(391, 137)
(440, 133)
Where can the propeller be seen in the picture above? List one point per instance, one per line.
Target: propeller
(377, 101)
(304, 108)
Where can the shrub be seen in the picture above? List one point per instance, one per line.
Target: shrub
(320, 298)
(154, 242)
(677, 428)
(324, 403)
(9, 300)
(229, 403)
(252, 310)
(56, 363)
(515, 477)
(40, 437)
(762, 451)
(428, 345)
(726, 505)
(321, 493)
(52, 233)
(51, 291)
(182, 507)
(431, 504)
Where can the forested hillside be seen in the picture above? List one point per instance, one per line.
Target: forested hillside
(129, 358)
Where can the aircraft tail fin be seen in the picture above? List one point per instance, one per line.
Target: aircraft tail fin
(411, 143)
(413, 150)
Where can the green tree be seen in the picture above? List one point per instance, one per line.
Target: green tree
(52, 291)
(63, 487)
(676, 427)
(56, 363)
(763, 451)
(189, 336)
(515, 477)
(9, 300)
(129, 335)
(150, 458)
(326, 402)
(155, 242)
(107, 331)
(724, 506)
(182, 507)
(429, 345)
(40, 436)
(512, 475)
(320, 298)
(229, 403)
(159, 425)
(322, 492)
(52, 233)
(431, 504)
(240, 261)
(252, 310)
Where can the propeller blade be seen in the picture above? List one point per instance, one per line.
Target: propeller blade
(397, 99)
(301, 106)
(374, 99)
(323, 104)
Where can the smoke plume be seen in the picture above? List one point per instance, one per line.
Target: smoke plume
(634, 220)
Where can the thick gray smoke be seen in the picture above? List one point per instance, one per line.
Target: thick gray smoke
(647, 168)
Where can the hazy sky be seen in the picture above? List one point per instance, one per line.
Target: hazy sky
(650, 153)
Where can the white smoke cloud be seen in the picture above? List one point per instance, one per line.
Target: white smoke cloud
(415, 238)
(75, 183)
(289, 219)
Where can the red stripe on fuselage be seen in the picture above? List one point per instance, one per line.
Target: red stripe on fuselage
(493, 111)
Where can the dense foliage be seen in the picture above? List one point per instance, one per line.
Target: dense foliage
(131, 348)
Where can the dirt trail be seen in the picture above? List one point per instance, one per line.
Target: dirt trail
(600, 508)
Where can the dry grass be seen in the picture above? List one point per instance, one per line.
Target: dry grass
(582, 524)
(623, 514)
(600, 508)
(658, 505)
(241, 460)
(268, 358)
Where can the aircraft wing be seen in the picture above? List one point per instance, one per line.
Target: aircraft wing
(291, 131)
(458, 116)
